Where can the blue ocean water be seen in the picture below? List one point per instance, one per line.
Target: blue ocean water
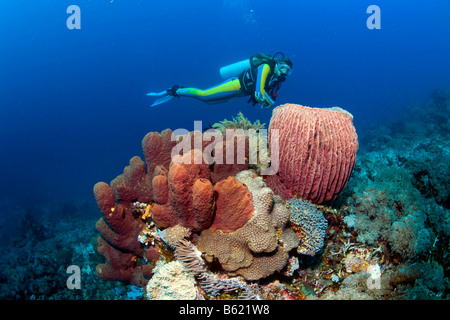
(73, 104)
(73, 107)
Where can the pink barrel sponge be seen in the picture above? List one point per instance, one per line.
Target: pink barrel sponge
(317, 152)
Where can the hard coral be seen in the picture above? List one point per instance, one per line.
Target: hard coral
(317, 152)
(173, 235)
(260, 247)
(310, 225)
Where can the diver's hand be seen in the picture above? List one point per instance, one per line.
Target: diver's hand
(259, 98)
(263, 102)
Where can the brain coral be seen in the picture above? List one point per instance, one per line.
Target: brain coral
(260, 247)
(317, 152)
(310, 225)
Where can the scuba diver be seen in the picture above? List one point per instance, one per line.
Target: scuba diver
(259, 77)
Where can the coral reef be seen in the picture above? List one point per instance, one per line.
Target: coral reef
(355, 287)
(179, 194)
(317, 152)
(387, 206)
(34, 268)
(260, 247)
(388, 234)
(217, 226)
(309, 224)
(399, 199)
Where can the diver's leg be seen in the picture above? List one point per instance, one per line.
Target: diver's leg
(222, 92)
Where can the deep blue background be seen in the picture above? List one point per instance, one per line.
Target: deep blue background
(73, 108)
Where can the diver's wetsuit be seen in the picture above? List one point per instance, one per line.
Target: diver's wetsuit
(260, 80)
(222, 92)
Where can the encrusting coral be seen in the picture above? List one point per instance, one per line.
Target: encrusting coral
(309, 224)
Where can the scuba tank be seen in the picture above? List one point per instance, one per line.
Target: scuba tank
(234, 69)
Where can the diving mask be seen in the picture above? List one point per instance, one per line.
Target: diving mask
(284, 69)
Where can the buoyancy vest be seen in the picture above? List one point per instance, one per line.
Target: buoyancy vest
(248, 77)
